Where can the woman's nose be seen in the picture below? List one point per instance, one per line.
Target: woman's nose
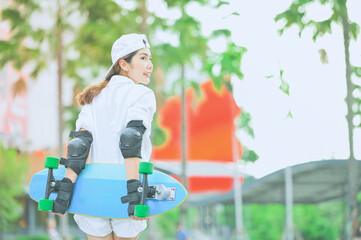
(150, 65)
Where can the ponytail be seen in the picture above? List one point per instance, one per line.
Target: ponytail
(89, 93)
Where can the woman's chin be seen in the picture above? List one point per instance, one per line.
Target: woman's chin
(145, 81)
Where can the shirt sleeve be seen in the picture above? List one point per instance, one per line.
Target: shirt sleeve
(85, 119)
(143, 109)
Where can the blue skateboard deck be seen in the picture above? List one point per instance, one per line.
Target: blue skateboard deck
(99, 188)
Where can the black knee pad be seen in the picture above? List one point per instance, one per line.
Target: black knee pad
(78, 150)
(131, 139)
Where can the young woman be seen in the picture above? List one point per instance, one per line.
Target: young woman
(114, 127)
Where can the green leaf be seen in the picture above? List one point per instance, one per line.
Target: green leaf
(285, 88)
(357, 71)
(244, 123)
(249, 155)
(221, 32)
(354, 30)
(158, 135)
(289, 115)
(232, 14)
(221, 3)
(195, 86)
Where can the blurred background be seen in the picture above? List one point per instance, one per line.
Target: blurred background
(258, 110)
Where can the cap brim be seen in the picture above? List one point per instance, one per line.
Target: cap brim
(110, 72)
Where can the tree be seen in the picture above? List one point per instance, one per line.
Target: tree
(295, 15)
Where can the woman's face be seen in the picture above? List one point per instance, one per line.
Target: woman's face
(140, 68)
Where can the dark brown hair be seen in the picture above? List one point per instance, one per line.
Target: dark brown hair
(90, 92)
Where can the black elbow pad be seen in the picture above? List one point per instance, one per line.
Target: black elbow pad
(78, 151)
(131, 139)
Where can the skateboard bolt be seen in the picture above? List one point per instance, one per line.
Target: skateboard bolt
(140, 189)
(52, 184)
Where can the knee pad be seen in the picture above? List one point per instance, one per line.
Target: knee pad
(131, 139)
(78, 150)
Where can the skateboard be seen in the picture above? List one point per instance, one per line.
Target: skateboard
(100, 190)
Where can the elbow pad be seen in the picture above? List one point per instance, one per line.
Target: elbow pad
(131, 139)
(78, 151)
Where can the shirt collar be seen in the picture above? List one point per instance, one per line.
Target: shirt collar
(119, 79)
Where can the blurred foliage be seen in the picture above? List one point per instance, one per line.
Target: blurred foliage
(33, 237)
(13, 169)
(318, 221)
(321, 221)
(296, 15)
(167, 223)
(312, 221)
(158, 135)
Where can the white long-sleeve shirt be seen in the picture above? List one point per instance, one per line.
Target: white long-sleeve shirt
(120, 102)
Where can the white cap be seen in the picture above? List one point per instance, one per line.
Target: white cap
(125, 45)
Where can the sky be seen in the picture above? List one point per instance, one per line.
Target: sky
(318, 129)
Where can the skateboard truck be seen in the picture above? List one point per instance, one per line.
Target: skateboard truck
(157, 192)
(51, 184)
(160, 192)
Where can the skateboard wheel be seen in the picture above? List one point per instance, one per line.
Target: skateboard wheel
(141, 211)
(45, 205)
(146, 167)
(51, 162)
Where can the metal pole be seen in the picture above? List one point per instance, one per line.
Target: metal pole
(183, 207)
(238, 205)
(289, 204)
(31, 216)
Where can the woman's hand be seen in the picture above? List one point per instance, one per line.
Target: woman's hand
(138, 218)
(59, 214)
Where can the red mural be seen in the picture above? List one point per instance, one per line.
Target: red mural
(210, 130)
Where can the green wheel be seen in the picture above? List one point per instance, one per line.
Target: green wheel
(141, 211)
(146, 167)
(51, 162)
(45, 205)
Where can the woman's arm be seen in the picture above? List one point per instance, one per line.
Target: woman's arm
(66, 186)
(69, 172)
(132, 167)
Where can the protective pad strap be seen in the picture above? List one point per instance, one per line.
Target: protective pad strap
(84, 134)
(138, 124)
(65, 194)
(133, 196)
(131, 139)
(78, 150)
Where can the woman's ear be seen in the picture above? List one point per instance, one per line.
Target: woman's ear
(123, 65)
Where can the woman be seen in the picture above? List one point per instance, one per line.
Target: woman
(115, 121)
